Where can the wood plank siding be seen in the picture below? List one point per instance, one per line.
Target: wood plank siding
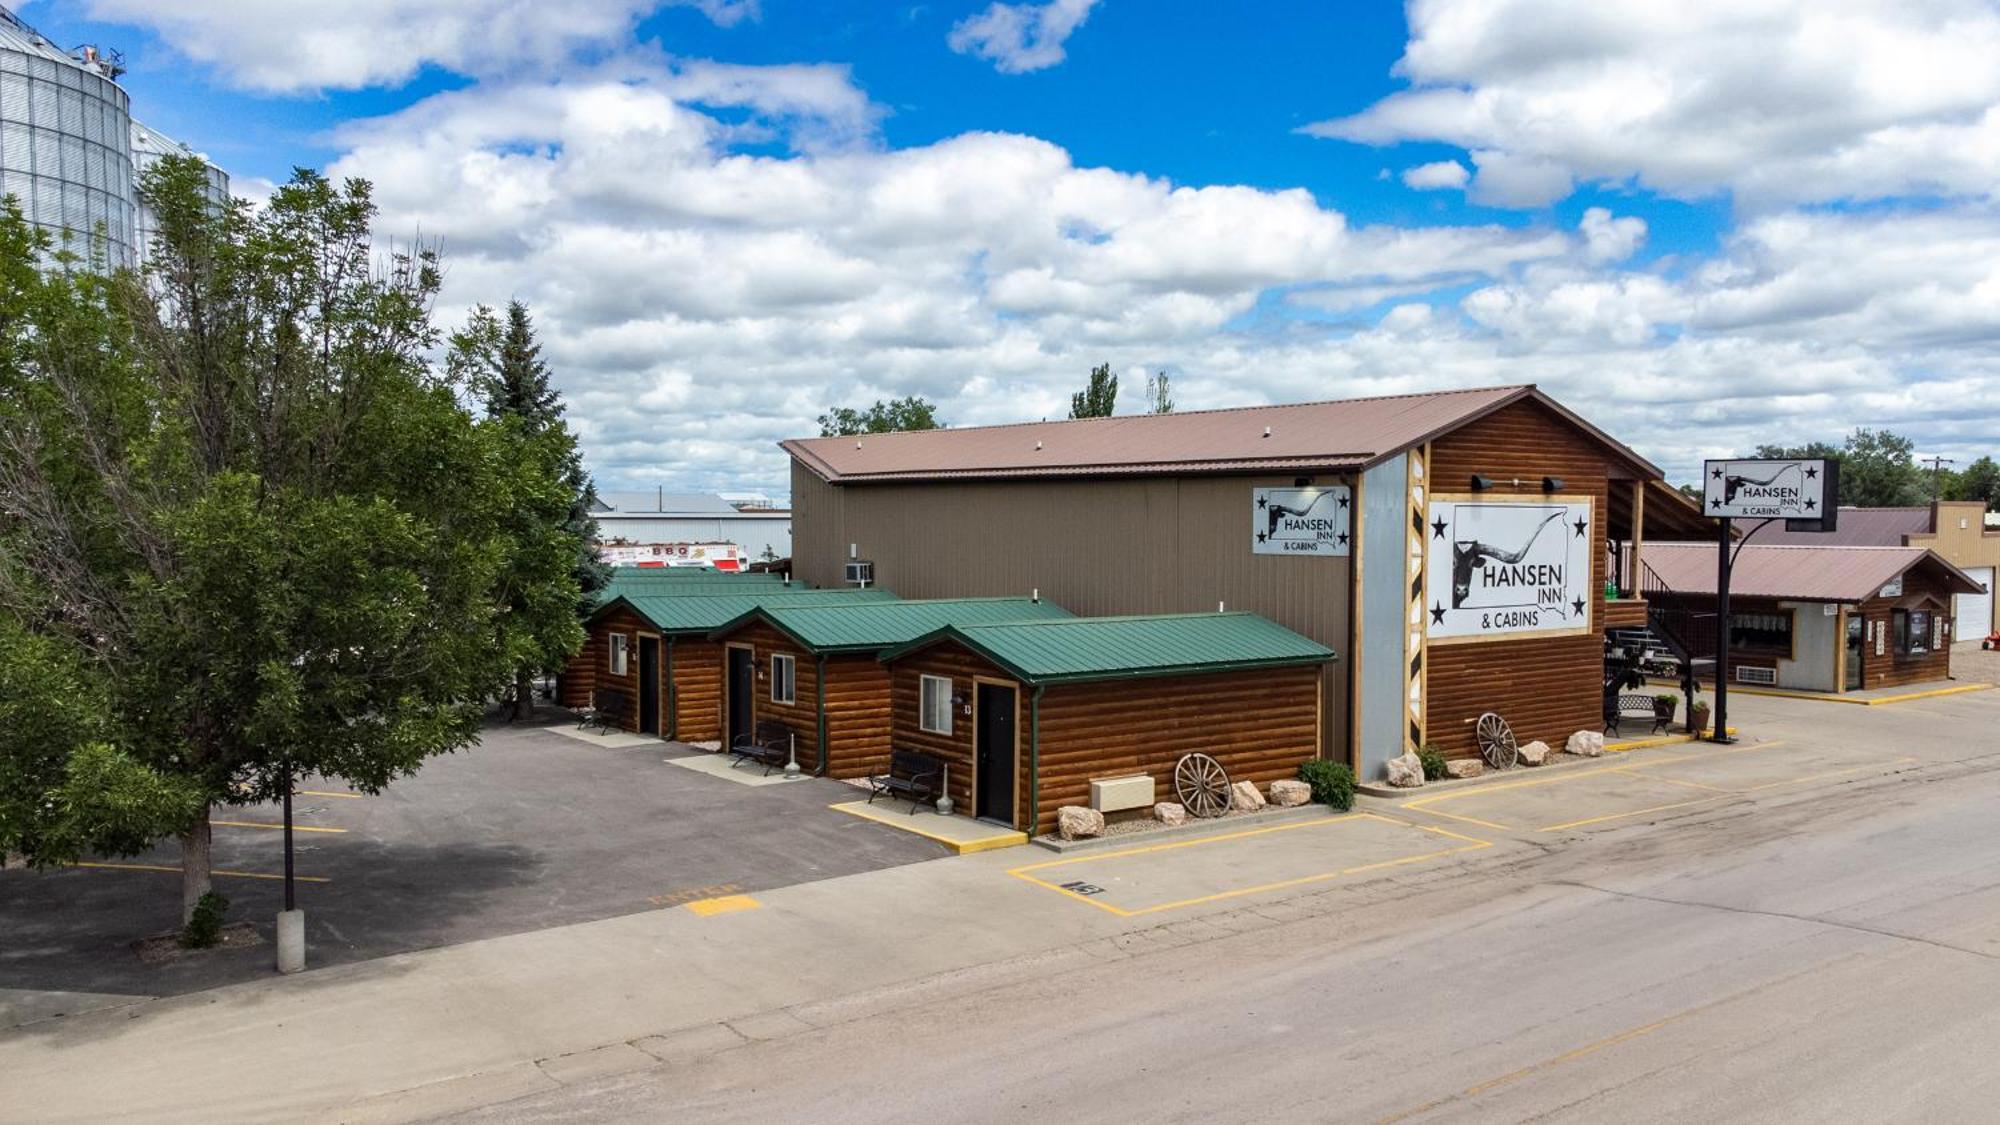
(1546, 688)
(956, 749)
(590, 668)
(696, 680)
(1095, 546)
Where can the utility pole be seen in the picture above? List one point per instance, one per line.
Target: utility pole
(1937, 475)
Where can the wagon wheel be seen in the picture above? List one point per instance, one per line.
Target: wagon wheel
(1496, 742)
(1203, 785)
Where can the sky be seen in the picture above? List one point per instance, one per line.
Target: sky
(1703, 225)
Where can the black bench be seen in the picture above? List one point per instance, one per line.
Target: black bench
(913, 775)
(769, 744)
(1634, 707)
(608, 708)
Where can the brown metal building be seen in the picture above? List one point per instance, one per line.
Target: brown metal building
(1381, 528)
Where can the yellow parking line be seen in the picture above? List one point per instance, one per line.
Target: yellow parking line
(1677, 781)
(329, 793)
(212, 871)
(1635, 812)
(725, 904)
(274, 827)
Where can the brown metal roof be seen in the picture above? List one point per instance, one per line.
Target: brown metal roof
(1807, 574)
(1859, 527)
(1331, 436)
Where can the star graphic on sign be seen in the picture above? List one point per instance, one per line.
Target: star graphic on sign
(1716, 474)
(1437, 613)
(1715, 503)
(1811, 504)
(1579, 525)
(1343, 539)
(1260, 537)
(1340, 501)
(1440, 528)
(1261, 501)
(1811, 473)
(1578, 603)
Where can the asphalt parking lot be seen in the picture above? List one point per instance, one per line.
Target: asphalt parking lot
(531, 828)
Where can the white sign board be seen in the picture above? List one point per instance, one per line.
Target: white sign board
(1505, 567)
(1301, 521)
(1764, 489)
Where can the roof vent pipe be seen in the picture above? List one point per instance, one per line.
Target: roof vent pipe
(1035, 595)
(1267, 431)
(1221, 607)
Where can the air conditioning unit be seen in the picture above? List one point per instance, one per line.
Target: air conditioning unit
(1751, 674)
(861, 574)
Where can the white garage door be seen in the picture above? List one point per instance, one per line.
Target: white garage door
(1974, 612)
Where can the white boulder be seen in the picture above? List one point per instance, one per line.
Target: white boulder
(1464, 767)
(1406, 772)
(1075, 821)
(1244, 796)
(1170, 813)
(1535, 753)
(1287, 794)
(1586, 743)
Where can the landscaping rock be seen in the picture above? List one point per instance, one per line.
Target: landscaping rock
(1287, 794)
(1464, 767)
(1074, 821)
(1406, 772)
(1586, 743)
(1534, 753)
(1244, 796)
(1170, 813)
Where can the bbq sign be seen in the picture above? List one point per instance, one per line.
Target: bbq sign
(1764, 489)
(1501, 567)
(1301, 521)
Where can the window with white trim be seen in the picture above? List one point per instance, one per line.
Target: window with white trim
(934, 704)
(621, 646)
(784, 679)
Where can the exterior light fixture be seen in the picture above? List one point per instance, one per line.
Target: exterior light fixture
(1480, 483)
(1552, 484)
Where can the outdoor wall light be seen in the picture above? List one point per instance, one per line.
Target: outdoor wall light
(1301, 482)
(1552, 484)
(1481, 483)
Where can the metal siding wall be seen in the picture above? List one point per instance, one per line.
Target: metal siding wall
(1816, 638)
(749, 534)
(1116, 546)
(1384, 527)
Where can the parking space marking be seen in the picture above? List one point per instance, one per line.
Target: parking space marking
(1467, 844)
(1626, 769)
(212, 871)
(275, 827)
(725, 904)
(329, 793)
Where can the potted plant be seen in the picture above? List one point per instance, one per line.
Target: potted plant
(1663, 706)
(1698, 716)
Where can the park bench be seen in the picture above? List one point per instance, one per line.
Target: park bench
(912, 775)
(1634, 707)
(608, 708)
(769, 744)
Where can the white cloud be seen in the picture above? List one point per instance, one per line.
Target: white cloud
(1777, 101)
(1436, 175)
(1018, 38)
(1611, 240)
(292, 46)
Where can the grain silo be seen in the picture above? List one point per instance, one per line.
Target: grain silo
(66, 141)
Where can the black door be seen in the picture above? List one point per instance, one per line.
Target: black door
(649, 685)
(742, 692)
(1856, 642)
(995, 800)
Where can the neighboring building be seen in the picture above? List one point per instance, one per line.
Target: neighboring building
(1958, 530)
(1824, 618)
(149, 147)
(662, 517)
(1452, 548)
(66, 141)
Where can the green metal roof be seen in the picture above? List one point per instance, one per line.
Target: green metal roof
(871, 627)
(699, 613)
(656, 582)
(1114, 648)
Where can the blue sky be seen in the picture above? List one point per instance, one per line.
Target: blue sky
(1703, 228)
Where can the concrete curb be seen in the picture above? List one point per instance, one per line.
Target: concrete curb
(1269, 817)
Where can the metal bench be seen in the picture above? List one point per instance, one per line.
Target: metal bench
(913, 775)
(1634, 707)
(608, 708)
(769, 744)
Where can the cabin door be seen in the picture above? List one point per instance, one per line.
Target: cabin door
(649, 685)
(1857, 635)
(995, 777)
(742, 693)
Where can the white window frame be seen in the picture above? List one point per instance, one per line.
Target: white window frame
(789, 678)
(619, 652)
(934, 710)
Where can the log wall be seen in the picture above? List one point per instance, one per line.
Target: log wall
(1894, 669)
(1547, 688)
(592, 664)
(802, 714)
(697, 684)
(956, 748)
(858, 716)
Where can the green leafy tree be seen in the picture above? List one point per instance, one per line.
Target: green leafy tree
(1877, 468)
(548, 580)
(1980, 481)
(910, 413)
(1159, 396)
(1098, 397)
(242, 513)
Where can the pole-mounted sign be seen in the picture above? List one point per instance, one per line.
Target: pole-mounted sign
(1771, 488)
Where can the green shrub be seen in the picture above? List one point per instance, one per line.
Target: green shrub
(1433, 760)
(1332, 783)
(204, 926)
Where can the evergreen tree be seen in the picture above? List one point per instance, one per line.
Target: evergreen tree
(1098, 396)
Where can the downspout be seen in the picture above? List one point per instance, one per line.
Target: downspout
(673, 701)
(819, 689)
(1035, 761)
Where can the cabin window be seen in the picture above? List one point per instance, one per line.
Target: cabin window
(620, 652)
(1771, 632)
(935, 704)
(783, 682)
(1913, 631)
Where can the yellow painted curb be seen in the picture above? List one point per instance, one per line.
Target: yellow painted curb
(960, 847)
(726, 904)
(1875, 701)
(1656, 740)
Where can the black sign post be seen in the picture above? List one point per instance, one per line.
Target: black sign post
(1725, 561)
